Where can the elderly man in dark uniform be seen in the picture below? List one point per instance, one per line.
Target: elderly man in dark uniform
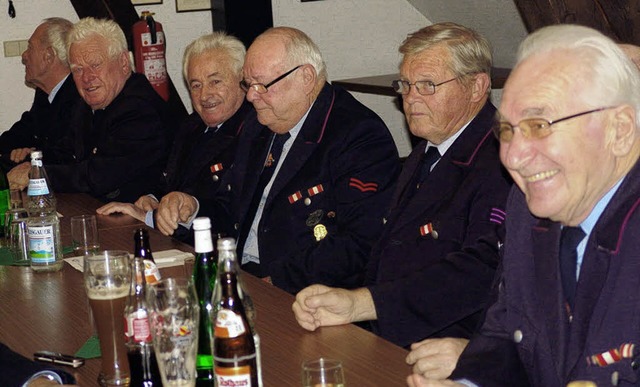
(121, 133)
(313, 174)
(430, 273)
(567, 306)
(205, 144)
(46, 126)
(16, 370)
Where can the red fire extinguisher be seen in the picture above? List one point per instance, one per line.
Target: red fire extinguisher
(150, 51)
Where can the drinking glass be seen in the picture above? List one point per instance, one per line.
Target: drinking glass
(107, 278)
(13, 215)
(174, 326)
(84, 234)
(15, 199)
(322, 372)
(17, 240)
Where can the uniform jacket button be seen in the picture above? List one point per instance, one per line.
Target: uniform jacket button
(236, 226)
(307, 201)
(517, 336)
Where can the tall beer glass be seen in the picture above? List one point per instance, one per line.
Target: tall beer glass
(107, 278)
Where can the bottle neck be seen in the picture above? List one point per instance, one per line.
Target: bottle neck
(139, 281)
(142, 248)
(203, 241)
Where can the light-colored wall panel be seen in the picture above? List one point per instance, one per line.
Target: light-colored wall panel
(358, 38)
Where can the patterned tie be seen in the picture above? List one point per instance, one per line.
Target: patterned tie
(570, 237)
(428, 159)
(272, 160)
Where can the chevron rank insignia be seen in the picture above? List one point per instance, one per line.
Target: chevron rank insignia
(362, 186)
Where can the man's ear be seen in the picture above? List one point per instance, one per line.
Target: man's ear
(125, 64)
(309, 77)
(49, 55)
(624, 132)
(480, 86)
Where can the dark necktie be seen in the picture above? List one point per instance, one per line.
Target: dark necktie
(270, 165)
(570, 237)
(272, 160)
(428, 159)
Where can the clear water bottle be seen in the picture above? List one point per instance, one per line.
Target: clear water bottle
(45, 248)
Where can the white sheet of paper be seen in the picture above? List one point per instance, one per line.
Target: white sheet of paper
(164, 258)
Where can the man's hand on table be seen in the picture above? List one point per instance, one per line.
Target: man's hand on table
(319, 305)
(122, 208)
(175, 207)
(416, 380)
(436, 358)
(147, 203)
(45, 382)
(18, 155)
(18, 176)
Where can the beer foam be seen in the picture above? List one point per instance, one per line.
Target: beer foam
(108, 293)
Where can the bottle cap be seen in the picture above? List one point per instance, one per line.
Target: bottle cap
(226, 244)
(202, 223)
(36, 155)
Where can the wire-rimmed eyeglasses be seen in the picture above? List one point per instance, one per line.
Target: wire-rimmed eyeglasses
(260, 88)
(423, 87)
(534, 127)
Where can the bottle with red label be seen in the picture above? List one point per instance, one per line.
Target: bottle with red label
(142, 359)
(234, 349)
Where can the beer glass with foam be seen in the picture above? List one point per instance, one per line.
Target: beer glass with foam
(107, 278)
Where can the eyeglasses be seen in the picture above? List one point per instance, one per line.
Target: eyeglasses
(260, 88)
(423, 87)
(534, 127)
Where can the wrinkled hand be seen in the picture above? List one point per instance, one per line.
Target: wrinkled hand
(416, 380)
(146, 203)
(174, 207)
(19, 154)
(436, 358)
(319, 305)
(18, 176)
(122, 208)
(45, 382)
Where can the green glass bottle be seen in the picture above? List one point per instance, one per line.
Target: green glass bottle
(204, 278)
(4, 200)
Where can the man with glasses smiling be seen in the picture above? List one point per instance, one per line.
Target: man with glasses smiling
(429, 274)
(568, 300)
(313, 174)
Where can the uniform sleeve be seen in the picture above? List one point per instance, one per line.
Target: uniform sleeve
(15, 369)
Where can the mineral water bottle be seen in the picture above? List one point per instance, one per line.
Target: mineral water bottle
(45, 249)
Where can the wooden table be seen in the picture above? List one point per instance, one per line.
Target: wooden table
(50, 311)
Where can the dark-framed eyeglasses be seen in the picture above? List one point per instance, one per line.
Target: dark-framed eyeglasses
(535, 128)
(423, 87)
(260, 88)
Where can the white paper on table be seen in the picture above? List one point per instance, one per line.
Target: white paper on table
(164, 258)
